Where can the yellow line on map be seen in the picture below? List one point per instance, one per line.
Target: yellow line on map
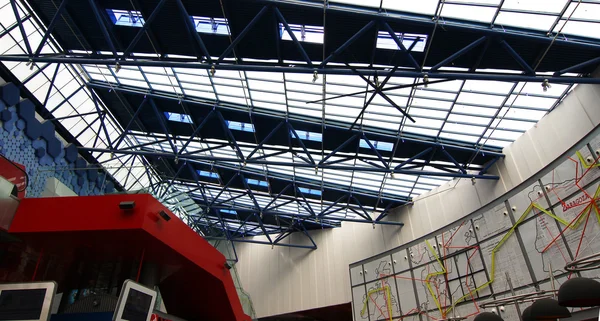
(510, 232)
(386, 290)
(494, 250)
(584, 162)
(430, 275)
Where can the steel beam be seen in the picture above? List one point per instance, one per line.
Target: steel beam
(13, 4)
(382, 94)
(278, 195)
(196, 131)
(102, 118)
(50, 28)
(133, 118)
(145, 27)
(338, 70)
(526, 67)
(408, 161)
(401, 45)
(250, 194)
(242, 34)
(458, 53)
(453, 160)
(254, 161)
(231, 138)
(594, 61)
(163, 125)
(237, 240)
(346, 44)
(260, 145)
(10, 28)
(262, 227)
(333, 152)
(375, 151)
(66, 99)
(293, 36)
(192, 30)
(293, 131)
(103, 28)
(449, 24)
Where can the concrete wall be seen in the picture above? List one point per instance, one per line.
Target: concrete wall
(283, 280)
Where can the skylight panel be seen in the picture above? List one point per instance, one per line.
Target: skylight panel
(180, 118)
(304, 33)
(309, 191)
(385, 146)
(127, 18)
(207, 174)
(385, 41)
(305, 135)
(217, 26)
(535, 5)
(241, 126)
(469, 12)
(228, 211)
(427, 7)
(525, 20)
(256, 182)
(366, 3)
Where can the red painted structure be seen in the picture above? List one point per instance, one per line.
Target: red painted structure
(14, 173)
(194, 282)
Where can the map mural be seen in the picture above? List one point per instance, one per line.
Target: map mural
(512, 248)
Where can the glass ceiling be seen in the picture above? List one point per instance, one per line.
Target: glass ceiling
(489, 113)
(579, 18)
(66, 97)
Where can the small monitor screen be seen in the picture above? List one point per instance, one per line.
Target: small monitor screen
(21, 304)
(137, 306)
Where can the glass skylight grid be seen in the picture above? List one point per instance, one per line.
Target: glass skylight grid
(310, 191)
(483, 113)
(208, 174)
(229, 211)
(127, 18)
(241, 126)
(217, 26)
(415, 41)
(306, 135)
(257, 182)
(304, 33)
(69, 84)
(180, 118)
(386, 146)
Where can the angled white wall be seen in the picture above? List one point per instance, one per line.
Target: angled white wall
(283, 280)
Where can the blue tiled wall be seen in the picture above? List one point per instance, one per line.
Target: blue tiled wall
(23, 139)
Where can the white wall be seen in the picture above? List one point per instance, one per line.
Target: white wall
(283, 280)
(55, 188)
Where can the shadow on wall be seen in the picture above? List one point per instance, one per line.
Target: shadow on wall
(27, 141)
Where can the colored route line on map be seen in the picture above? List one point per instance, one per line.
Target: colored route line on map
(574, 224)
(430, 275)
(427, 283)
(532, 206)
(585, 163)
(386, 290)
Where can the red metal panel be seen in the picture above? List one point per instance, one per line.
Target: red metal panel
(14, 173)
(200, 286)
